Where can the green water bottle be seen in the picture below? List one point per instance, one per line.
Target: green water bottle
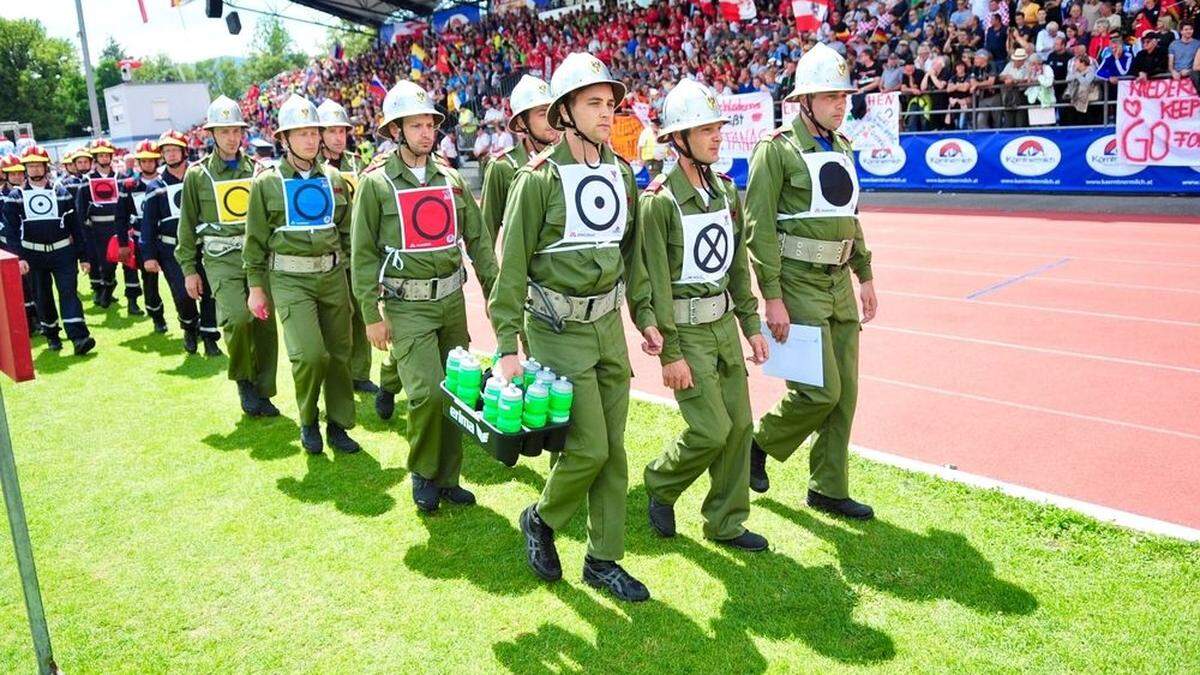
(452, 361)
(508, 410)
(491, 399)
(545, 377)
(537, 406)
(530, 368)
(562, 393)
(470, 378)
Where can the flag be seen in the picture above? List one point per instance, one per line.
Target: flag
(810, 14)
(142, 9)
(738, 10)
(338, 52)
(378, 91)
(455, 16)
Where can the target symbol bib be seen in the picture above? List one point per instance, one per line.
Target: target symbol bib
(309, 203)
(834, 184)
(428, 218)
(103, 190)
(175, 199)
(597, 204)
(707, 247)
(139, 203)
(233, 200)
(40, 204)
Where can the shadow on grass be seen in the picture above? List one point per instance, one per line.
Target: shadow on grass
(367, 418)
(155, 343)
(912, 566)
(355, 484)
(474, 544)
(197, 367)
(480, 468)
(266, 438)
(47, 361)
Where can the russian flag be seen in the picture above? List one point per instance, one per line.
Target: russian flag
(378, 91)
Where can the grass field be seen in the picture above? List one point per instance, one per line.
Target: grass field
(173, 535)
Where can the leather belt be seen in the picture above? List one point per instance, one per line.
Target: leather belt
(219, 246)
(423, 290)
(557, 308)
(303, 264)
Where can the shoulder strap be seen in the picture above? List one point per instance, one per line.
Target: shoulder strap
(540, 158)
(656, 184)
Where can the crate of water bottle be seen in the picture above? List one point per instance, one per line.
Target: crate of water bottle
(509, 419)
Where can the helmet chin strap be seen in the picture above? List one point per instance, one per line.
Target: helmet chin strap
(538, 143)
(703, 169)
(806, 108)
(570, 124)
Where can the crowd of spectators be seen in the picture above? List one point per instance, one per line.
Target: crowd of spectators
(951, 67)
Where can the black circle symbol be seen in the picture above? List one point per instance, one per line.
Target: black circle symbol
(441, 218)
(836, 185)
(711, 249)
(237, 190)
(315, 205)
(40, 205)
(596, 201)
(177, 198)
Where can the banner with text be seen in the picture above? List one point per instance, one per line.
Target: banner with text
(1158, 122)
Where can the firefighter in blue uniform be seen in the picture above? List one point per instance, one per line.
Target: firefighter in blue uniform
(135, 191)
(14, 178)
(96, 204)
(80, 161)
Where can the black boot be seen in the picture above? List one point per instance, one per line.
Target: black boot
(53, 342)
(662, 518)
(210, 347)
(310, 439)
(758, 469)
(458, 495)
(134, 308)
(605, 574)
(385, 404)
(746, 541)
(366, 386)
(840, 507)
(339, 440)
(539, 545)
(248, 397)
(190, 338)
(85, 345)
(426, 494)
(160, 324)
(266, 408)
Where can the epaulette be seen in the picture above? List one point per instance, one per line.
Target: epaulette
(656, 184)
(260, 167)
(540, 158)
(725, 176)
(774, 133)
(378, 161)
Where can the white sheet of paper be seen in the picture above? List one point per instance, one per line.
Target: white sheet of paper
(799, 359)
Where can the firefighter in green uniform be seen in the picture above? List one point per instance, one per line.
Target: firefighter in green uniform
(805, 239)
(530, 100)
(297, 232)
(571, 251)
(695, 255)
(411, 213)
(216, 193)
(335, 127)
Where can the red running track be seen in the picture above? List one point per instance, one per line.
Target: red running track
(1056, 354)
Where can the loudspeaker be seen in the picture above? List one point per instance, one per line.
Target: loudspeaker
(234, 23)
(214, 8)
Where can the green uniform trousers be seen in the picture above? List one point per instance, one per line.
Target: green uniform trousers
(825, 300)
(360, 348)
(314, 310)
(389, 375)
(592, 466)
(253, 345)
(423, 333)
(719, 427)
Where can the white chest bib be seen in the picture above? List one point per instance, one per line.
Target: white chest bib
(707, 245)
(834, 186)
(40, 204)
(597, 206)
(175, 199)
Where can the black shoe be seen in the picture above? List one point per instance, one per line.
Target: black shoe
(160, 324)
(366, 386)
(609, 575)
(758, 469)
(746, 541)
(310, 439)
(54, 343)
(211, 348)
(85, 345)
(385, 404)
(458, 495)
(248, 397)
(134, 308)
(190, 339)
(662, 518)
(339, 440)
(426, 494)
(539, 545)
(266, 408)
(840, 507)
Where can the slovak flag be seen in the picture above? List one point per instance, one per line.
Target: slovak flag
(738, 10)
(378, 91)
(810, 14)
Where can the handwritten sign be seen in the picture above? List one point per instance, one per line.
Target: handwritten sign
(878, 129)
(1158, 122)
(750, 116)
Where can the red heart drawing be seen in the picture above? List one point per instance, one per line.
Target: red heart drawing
(756, 117)
(1133, 107)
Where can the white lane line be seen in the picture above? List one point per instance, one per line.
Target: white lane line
(1038, 350)
(1055, 310)
(1053, 279)
(1034, 408)
(942, 232)
(875, 245)
(1103, 513)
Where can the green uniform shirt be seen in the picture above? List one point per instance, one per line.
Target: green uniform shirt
(497, 180)
(534, 218)
(198, 208)
(779, 183)
(266, 221)
(376, 232)
(663, 243)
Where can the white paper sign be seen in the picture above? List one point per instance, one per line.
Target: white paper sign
(800, 359)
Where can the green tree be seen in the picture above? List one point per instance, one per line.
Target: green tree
(41, 80)
(355, 39)
(273, 51)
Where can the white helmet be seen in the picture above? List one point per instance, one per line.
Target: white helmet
(577, 71)
(332, 114)
(296, 113)
(687, 106)
(223, 112)
(530, 93)
(406, 99)
(820, 70)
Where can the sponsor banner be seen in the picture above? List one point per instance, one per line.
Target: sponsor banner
(1158, 122)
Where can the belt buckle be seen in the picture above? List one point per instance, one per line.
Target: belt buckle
(847, 250)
